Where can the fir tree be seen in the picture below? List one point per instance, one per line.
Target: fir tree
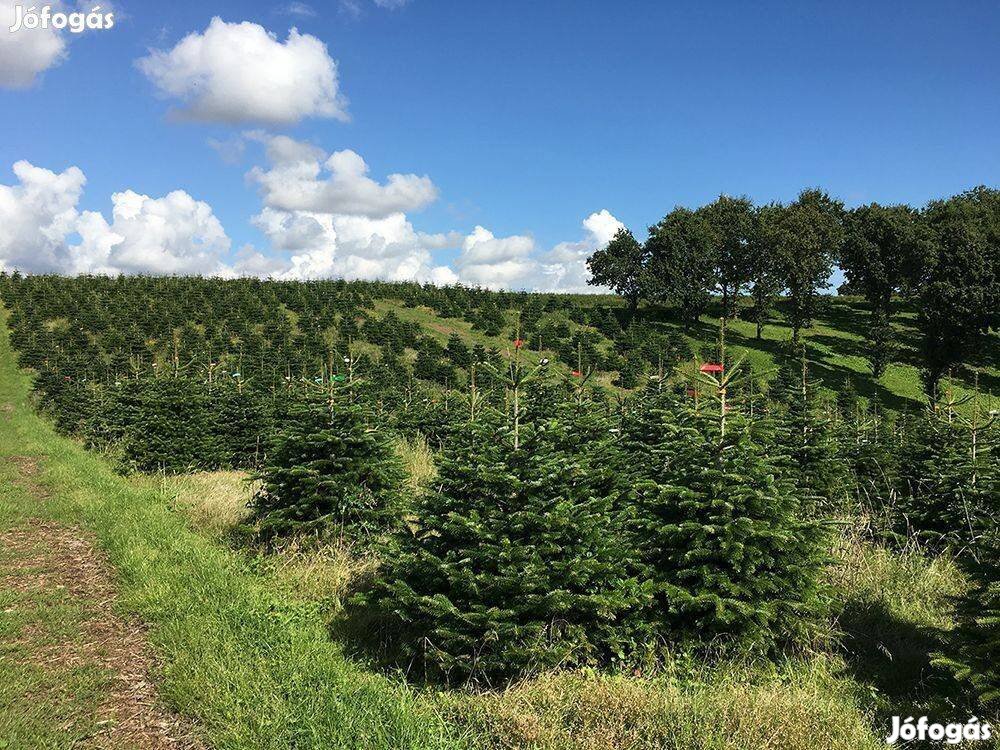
(805, 433)
(516, 565)
(973, 652)
(948, 481)
(719, 529)
(328, 472)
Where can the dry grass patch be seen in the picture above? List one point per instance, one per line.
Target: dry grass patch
(418, 458)
(321, 573)
(806, 705)
(214, 502)
(911, 585)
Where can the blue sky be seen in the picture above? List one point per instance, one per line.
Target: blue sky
(528, 118)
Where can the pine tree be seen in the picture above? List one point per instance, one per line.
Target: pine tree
(516, 565)
(865, 443)
(165, 424)
(806, 435)
(240, 423)
(632, 370)
(719, 529)
(973, 652)
(948, 483)
(328, 473)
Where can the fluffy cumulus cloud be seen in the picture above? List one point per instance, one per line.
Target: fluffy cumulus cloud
(302, 177)
(240, 72)
(351, 247)
(41, 229)
(513, 262)
(36, 215)
(565, 265)
(496, 262)
(342, 235)
(333, 220)
(26, 53)
(175, 234)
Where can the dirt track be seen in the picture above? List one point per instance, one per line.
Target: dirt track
(46, 557)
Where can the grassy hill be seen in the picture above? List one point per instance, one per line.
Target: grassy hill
(835, 345)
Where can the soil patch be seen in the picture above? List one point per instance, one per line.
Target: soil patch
(45, 557)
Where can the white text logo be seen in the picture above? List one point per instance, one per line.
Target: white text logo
(907, 730)
(46, 18)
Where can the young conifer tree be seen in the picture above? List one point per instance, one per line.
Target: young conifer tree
(806, 434)
(719, 529)
(166, 425)
(973, 652)
(948, 481)
(328, 472)
(865, 442)
(517, 564)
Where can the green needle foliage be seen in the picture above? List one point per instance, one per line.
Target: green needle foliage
(517, 565)
(165, 424)
(806, 434)
(948, 495)
(974, 656)
(719, 531)
(329, 472)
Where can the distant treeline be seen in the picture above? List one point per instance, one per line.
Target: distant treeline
(945, 257)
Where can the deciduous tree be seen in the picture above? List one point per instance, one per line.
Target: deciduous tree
(620, 265)
(806, 236)
(885, 253)
(681, 263)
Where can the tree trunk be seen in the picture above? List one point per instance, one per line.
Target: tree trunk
(633, 306)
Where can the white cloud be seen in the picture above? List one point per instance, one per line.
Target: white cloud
(352, 247)
(36, 215)
(42, 230)
(240, 72)
(324, 217)
(230, 150)
(496, 262)
(602, 227)
(251, 262)
(175, 234)
(26, 53)
(512, 262)
(303, 178)
(299, 9)
(565, 265)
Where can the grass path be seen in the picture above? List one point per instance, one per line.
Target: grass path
(61, 629)
(251, 670)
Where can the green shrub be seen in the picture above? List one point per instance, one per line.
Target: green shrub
(974, 656)
(718, 529)
(947, 498)
(164, 424)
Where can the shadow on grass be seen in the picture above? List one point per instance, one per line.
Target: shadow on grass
(896, 658)
(836, 377)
